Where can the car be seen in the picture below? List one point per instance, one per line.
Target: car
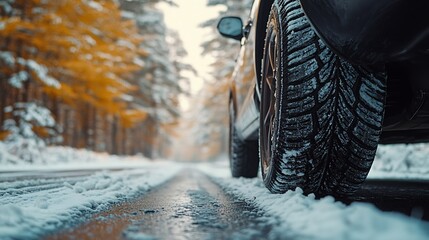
(329, 81)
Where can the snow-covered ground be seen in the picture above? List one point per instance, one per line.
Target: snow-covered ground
(65, 158)
(296, 216)
(29, 208)
(402, 161)
(303, 217)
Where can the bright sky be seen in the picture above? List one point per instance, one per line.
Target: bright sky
(186, 20)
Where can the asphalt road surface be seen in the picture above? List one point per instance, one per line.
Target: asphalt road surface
(192, 206)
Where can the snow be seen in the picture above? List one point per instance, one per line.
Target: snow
(7, 57)
(138, 235)
(127, 14)
(6, 6)
(91, 41)
(17, 79)
(30, 208)
(41, 72)
(296, 216)
(127, 98)
(126, 44)
(41, 211)
(7, 158)
(401, 161)
(139, 62)
(60, 158)
(22, 141)
(95, 5)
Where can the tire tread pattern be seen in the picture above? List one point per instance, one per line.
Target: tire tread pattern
(331, 117)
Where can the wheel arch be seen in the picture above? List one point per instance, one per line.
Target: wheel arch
(368, 32)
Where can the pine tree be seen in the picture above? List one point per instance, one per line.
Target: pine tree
(75, 57)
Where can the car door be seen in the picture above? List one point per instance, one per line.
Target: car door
(244, 80)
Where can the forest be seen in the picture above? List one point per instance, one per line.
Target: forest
(106, 75)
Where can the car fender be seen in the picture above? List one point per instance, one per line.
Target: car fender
(371, 32)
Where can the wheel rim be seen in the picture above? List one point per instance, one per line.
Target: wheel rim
(268, 101)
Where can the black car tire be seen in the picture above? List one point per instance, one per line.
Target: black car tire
(243, 155)
(321, 116)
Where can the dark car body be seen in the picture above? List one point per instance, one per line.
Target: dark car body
(392, 35)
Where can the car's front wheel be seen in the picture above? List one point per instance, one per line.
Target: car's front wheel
(321, 116)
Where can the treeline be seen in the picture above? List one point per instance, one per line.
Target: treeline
(87, 74)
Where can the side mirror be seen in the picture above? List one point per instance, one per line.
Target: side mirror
(231, 27)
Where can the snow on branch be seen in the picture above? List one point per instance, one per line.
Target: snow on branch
(41, 72)
(7, 57)
(18, 78)
(22, 141)
(27, 115)
(95, 5)
(6, 6)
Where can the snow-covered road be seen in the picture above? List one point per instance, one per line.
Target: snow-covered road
(189, 206)
(30, 208)
(34, 206)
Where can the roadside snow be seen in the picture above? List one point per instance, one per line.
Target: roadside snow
(296, 216)
(403, 161)
(5, 157)
(66, 158)
(29, 208)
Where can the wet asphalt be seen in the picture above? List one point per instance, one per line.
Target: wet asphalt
(189, 206)
(193, 206)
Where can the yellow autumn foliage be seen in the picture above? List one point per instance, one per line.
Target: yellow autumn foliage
(85, 45)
